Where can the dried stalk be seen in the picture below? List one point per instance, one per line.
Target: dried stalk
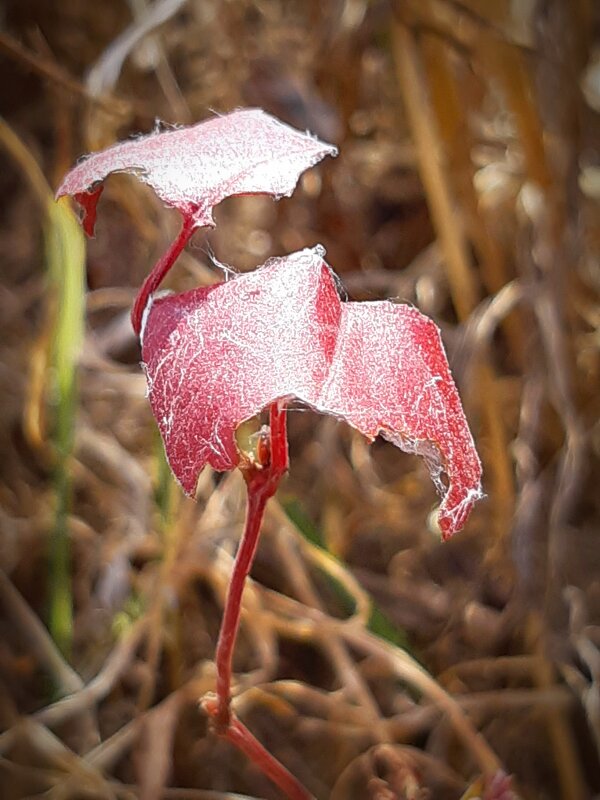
(449, 226)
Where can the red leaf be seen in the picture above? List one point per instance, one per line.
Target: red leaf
(195, 168)
(219, 355)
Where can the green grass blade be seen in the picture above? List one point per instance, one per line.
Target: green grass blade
(65, 262)
(65, 254)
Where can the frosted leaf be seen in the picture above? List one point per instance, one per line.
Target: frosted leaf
(196, 167)
(219, 355)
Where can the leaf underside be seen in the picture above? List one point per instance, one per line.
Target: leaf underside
(219, 355)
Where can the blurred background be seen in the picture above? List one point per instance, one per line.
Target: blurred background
(370, 654)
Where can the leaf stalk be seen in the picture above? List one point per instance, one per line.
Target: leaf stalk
(160, 269)
(262, 475)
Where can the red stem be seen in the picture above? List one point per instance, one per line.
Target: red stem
(262, 480)
(160, 269)
(239, 735)
(257, 501)
(279, 442)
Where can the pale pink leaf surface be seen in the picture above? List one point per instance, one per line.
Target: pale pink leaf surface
(195, 168)
(219, 355)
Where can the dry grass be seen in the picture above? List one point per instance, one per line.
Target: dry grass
(467, 184)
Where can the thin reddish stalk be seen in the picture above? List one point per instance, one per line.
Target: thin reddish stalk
(160, 269)
(279, 442)
(239, 735)
(257, 501)
(261, 481)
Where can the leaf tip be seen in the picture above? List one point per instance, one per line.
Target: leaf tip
(88, 202)
(456, 508)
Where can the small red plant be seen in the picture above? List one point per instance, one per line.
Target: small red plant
(217, 356)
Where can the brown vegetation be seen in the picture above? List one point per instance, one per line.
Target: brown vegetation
(468, 184)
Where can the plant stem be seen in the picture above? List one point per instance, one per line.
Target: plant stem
(262, 477)
(239, 735)
(262, 480)
(160, 269)
(231, 617)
